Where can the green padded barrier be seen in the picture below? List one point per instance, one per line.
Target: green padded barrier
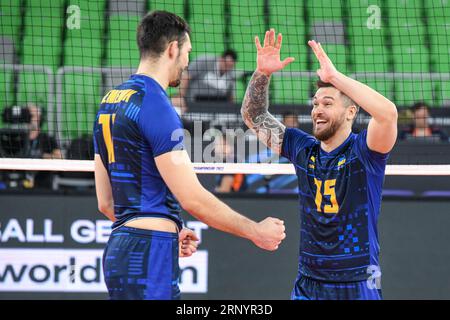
(437, 11)
(325, 10)
(440, 46)
(369, 58)
(337, 53)
(207, 22)
(44, 22)
(32, 87)
(291, 90)
(83, 52)
(81, 98)
(442, 92)
(404, 10)
(175, 6)
(247, 21)
(408, 33)
(122, 49)
(413, 58)
(407, 92)
(286, 17)
(6, 90)
(11, 19)
(381, 85)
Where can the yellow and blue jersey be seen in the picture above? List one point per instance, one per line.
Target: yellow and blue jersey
(136, 123)
(340, 199)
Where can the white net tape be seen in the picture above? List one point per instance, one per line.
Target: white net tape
(210, 168)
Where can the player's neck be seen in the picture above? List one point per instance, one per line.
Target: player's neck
(153, 71)
(335, 141)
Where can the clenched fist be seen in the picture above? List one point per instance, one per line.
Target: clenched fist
(269, 233)
(188, 242)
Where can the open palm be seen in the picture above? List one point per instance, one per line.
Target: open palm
(268, 59)
(327, 70)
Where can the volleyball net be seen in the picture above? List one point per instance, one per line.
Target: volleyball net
(58, 58)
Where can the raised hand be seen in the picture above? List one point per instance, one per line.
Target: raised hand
(270, 233)
(268, 57)
(188, 242)
(327, 70)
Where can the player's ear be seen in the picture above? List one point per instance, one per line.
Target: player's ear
(173, 49)
(352, 111)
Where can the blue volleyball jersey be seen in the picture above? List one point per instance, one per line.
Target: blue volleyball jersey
(136, 123)
(340, 199)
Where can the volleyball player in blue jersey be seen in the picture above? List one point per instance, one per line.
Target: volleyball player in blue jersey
(340, 174)
(144, 175)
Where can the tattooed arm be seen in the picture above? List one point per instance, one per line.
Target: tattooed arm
(256, 115)
(256, 101)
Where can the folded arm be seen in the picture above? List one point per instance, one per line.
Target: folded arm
(382, 129)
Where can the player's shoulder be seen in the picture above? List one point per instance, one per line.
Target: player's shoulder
(296, 142)
(298, 135)
(362, 150)
(153, 94)
(358, 141)
(156, 101)
(156, 108)
(359, 136)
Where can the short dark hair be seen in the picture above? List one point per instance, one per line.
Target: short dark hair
(230, 53)
(419, 105)
(157, 29)
(349, 102)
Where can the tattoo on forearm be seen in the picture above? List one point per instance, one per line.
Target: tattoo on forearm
(256, 115)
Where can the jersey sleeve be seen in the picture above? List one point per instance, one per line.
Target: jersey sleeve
(294, 141)
(95, 130)
(375, 162)
(161, 126)
(94, 140)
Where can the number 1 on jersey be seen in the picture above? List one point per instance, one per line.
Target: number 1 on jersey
(329, 190)
(107, 120)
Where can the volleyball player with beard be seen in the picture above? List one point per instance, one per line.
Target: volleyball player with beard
(144, 176)
(340, 174)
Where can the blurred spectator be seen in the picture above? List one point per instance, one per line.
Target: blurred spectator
(208, 78)
(42, 145)
(23, 138)
(421, 127)
(290, 120)
(226, 183)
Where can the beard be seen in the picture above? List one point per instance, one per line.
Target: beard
(329, 132)
(176, 82)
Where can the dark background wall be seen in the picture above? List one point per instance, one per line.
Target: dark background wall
(414, 238)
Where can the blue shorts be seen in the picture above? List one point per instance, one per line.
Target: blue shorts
(309, 289)
(141, 264)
